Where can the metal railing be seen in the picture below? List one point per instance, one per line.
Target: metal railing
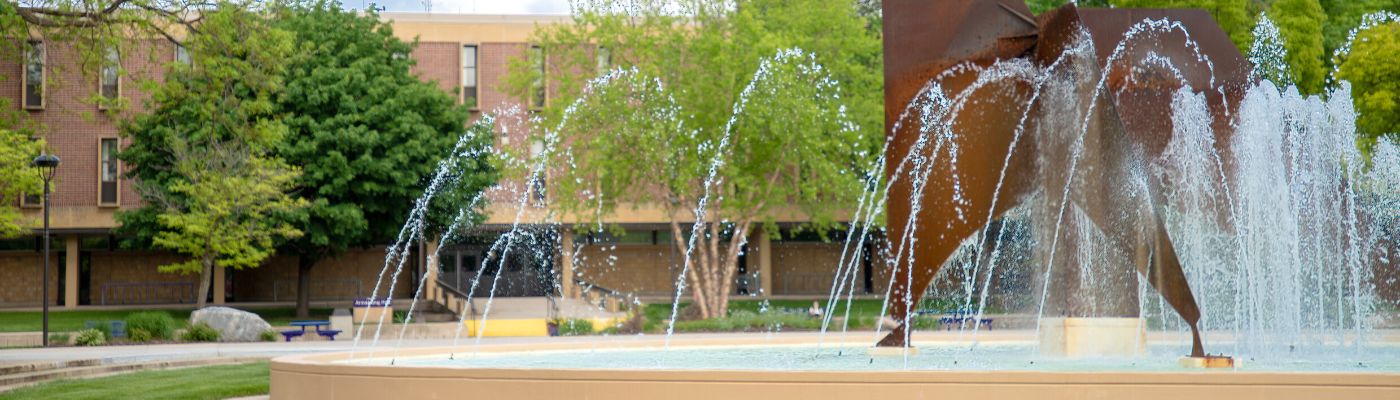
(609, 299)
(344, 283)
(455, 294)
(147, 292)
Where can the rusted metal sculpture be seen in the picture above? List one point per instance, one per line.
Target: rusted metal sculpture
(926, 40)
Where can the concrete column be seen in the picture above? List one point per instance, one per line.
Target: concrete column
(765, 262)
(219, 284)
(431, 288)
(566, 263)
(70, 276)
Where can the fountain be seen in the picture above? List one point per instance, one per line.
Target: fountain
(1162, 181)
(1125, 126)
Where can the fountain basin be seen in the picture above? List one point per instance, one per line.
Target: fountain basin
(425, 373)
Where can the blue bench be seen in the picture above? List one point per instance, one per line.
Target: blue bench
(292, 334)
(303, 324)
(951, 320)
(956, 317)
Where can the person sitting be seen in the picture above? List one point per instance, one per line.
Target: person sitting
(815, 311)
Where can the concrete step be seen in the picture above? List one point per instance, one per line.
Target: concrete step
(87, 369)
(16, 369)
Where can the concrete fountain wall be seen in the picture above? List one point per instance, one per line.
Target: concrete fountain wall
(326, 376)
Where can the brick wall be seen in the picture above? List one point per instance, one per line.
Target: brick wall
(439, 61)
(341, 278)
(21, 273)
(125, 277)
(805, 268)
(72, 124)
(646, 270)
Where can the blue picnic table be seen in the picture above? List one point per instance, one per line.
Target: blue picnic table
(956, 317)
(326, 333)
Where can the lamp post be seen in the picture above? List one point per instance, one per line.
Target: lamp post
(47, 165)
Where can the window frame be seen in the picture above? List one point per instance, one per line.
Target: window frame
(25, 203)
(602, 59)
(117, 179)
(108, 62)
(476, 74)
(179, 48)
(543, 70)
(43, 51)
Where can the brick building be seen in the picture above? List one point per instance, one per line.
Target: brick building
(464, 54)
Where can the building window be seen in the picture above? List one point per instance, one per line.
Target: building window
(537, 87)
(469, 96)
(34, 76)
(107, 172)
(27, 200)
(604, 59)
(539, 185)
(110, 82)
(182, 55)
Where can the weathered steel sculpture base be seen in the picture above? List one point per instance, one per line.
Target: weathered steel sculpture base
(925, 41)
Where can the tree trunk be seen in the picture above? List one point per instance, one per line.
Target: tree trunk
(304, 264)
(206, 274)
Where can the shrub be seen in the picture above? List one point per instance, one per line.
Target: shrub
(61, 338)
(157, 324)
(268, 336)
(138, 335)
(575, 327)
(749, 321)
(106, 328)
(200, 332)
(90, 337)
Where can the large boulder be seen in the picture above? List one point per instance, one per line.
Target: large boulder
(234, 325)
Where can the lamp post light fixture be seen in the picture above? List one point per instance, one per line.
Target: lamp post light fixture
(47, 165)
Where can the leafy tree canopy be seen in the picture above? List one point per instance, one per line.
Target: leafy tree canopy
(17, 178)
(201, 155)
(1300, 22)
(795, 140)
(226, 93)
(1375, 80)
(367, 133)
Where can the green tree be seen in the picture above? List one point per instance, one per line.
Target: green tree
(367, 133)
(1343, 16)
(1234, 16)
(799, 143)
(17, 178)
(227, 210)
(200, 156)
(1375, 82)
(1300, 22)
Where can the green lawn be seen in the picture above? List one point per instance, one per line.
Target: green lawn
(64, 321)
(213, 382)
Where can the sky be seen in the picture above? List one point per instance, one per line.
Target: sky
(468, 6)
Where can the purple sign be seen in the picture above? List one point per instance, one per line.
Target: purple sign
(364, 302)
